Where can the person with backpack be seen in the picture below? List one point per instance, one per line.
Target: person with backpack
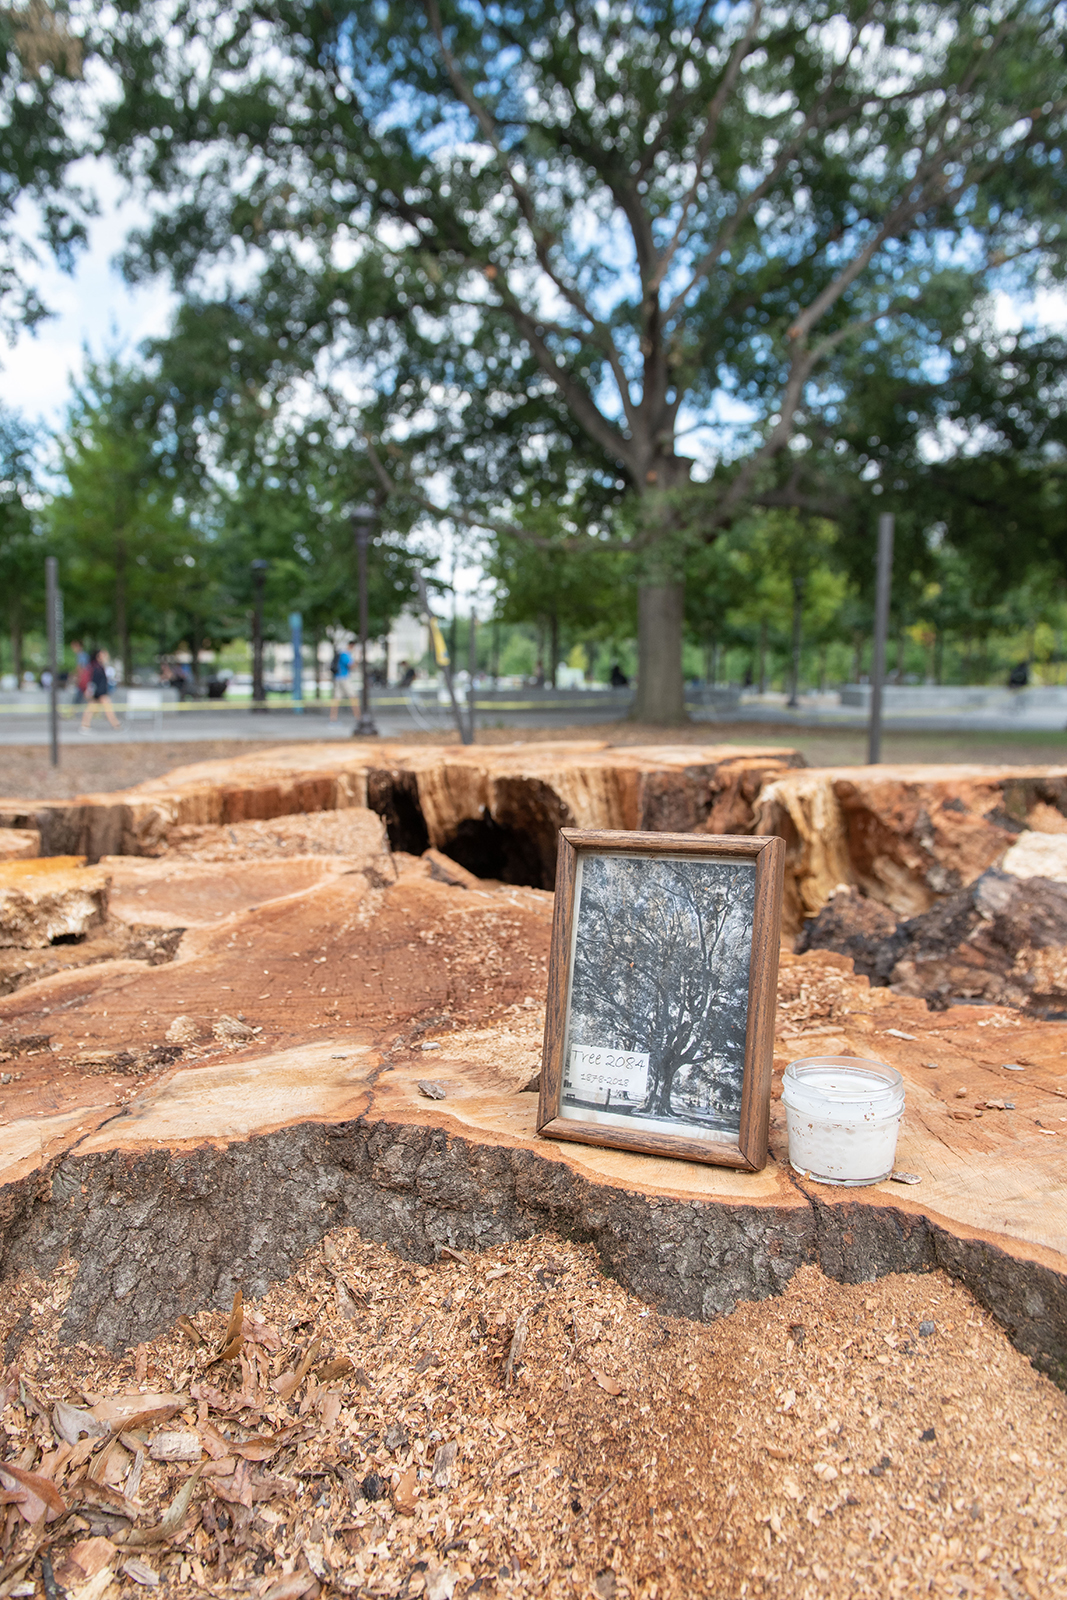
(343, 682)
(98, 692)
(82, 673)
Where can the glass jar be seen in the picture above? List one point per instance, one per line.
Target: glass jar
(843, 1114)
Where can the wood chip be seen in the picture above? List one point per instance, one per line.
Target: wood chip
(518, 1343)
(443, 1463)
(175, 1447)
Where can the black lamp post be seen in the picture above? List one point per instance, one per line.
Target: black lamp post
(259, 573)
(364, 519)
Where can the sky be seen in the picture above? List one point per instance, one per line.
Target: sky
(94, 308)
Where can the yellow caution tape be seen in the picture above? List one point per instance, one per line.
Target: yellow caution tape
(440, 649)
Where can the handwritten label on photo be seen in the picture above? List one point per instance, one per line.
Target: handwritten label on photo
(602, 1077)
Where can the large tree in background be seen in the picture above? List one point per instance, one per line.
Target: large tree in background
(128, 545)
(634, 217)
(280, 465)
(40, 138)
(21, 553)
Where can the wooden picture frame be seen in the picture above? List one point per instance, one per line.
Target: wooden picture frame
(663, 936)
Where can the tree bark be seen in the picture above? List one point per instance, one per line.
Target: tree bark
(762, 676)
(122, 626)
(798, 621)
(660, 613)
(15, 618)
(553, 647)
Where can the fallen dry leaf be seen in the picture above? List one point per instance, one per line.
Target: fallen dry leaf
(292, 1588)
(40, 1487)
(330, 1370)
(122, 1410)
(233, 1338)
(609, 1384)
(86, 1492)
(70, 1422)
(173, 1517)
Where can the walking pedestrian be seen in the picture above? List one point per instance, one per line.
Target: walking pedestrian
(343, 684)
(82, 673)
(99, 691)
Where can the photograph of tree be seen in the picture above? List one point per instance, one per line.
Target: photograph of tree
(659, 992)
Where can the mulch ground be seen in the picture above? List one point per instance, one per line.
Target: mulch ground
(516, 1424)
(25, 772)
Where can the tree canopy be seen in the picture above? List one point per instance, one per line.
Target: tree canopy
(599, 227)
(40, 139)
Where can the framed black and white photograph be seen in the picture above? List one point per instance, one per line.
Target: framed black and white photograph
(660, 1022)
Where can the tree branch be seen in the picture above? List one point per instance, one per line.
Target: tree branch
(498, 525)
(538, 233)
(752, 199)
(711, 127)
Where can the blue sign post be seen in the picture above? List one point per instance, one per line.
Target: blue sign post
(296, 634)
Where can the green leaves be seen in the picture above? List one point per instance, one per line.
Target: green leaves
(41, 136)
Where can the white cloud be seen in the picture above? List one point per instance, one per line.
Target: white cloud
(93, 308)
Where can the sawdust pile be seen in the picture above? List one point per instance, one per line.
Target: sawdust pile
(517, 1424)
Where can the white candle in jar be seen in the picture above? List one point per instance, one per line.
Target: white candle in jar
(843, 1114)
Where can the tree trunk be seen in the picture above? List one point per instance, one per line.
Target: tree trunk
(822, 669)
(857, 655)
(762, 678)
(194, 650)
(798, 621)
(316, 642)
(15, 617)
(553, 647)
(122, 627)
(660, 695)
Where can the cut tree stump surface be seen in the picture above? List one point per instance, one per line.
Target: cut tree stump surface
(497, 808)
(222, 1110)
(906, 835)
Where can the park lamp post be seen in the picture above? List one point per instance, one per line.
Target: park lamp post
(364, 521)
(259, 573)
